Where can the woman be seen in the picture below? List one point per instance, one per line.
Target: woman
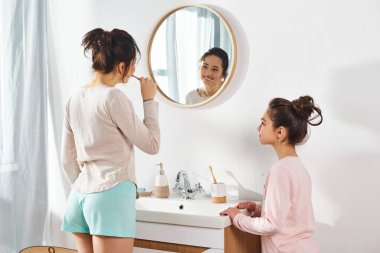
(99, 135)
(213, 72)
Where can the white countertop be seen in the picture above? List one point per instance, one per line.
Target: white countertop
(174, 210)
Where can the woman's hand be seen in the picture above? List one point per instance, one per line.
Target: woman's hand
(231, 212)
(148, 88)
(250, 206)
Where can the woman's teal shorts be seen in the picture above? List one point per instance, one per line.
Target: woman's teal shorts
(109, 213)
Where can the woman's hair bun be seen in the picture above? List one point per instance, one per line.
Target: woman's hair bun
(108, 48)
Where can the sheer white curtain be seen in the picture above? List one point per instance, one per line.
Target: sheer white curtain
(171, 56)
(23, 124)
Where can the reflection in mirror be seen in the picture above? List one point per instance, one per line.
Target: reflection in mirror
(189, 55)
(212, 72)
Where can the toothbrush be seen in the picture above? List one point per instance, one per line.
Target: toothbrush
(212, 174)
(138, 78)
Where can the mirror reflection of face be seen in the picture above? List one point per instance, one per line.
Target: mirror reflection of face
(211, 71)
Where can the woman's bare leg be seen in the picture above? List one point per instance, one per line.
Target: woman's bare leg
(83, 242)
(106, 244)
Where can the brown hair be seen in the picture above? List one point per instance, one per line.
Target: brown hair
(218, 52)
(294, 116)
(109, 48)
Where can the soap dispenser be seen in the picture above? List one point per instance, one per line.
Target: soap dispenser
(161, 187)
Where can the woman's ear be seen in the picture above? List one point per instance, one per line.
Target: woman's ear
(121, 68)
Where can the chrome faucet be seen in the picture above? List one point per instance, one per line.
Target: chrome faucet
(183, 186)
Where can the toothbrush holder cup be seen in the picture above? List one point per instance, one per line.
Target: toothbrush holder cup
(218, 193)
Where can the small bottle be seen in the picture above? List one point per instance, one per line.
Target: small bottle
(161, 187)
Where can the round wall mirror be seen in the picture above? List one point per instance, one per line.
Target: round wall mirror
(192, 55)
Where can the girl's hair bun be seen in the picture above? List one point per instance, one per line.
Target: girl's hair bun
(306, 109)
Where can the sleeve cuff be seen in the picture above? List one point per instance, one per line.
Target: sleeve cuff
(236, 219)
(151, 109)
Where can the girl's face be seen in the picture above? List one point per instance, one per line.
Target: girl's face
(211, 71)
(267, 133)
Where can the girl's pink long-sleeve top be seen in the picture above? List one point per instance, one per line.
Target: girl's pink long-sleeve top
(99, 134)
(287, 220)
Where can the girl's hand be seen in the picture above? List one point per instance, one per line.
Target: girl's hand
(250, 206)
(148, 88)
(231, 212)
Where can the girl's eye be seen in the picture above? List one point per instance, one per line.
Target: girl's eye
(215, 70)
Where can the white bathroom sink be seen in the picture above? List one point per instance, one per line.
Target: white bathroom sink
(198, 212)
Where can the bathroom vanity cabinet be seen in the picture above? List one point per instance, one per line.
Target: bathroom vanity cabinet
(196, 227)
(228, 240)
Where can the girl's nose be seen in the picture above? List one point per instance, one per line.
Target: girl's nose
(258, 128)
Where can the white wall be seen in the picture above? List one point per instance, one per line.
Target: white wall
(327, 49)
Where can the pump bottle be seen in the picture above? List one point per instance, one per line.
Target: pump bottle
(161, 187)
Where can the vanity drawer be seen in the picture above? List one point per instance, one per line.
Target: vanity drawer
(187, 235)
